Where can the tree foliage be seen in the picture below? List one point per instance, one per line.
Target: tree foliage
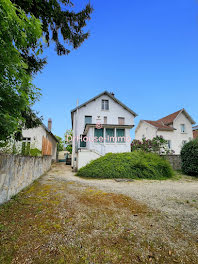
(157, 145)
(60, 146)
(59, 24)
(17, 93)
(189, 157)
(68, 140)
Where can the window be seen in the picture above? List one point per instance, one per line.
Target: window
(105, 119)
(26, 139)
(110, 135)
(143, 136)
(182, 127)
(82, 142)
(26, 145)
(169, 144)
(105, 104)
(99, 135)
(121, 120)
(120, 134)
(88, 120)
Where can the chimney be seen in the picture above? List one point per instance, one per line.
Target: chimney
(112, 94)
(50, 124)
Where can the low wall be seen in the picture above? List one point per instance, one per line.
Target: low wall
(17, 172)
(85, 156)
(175, 161)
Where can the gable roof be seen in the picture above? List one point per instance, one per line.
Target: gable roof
(167, 120)
(111, 96)
(159, 125)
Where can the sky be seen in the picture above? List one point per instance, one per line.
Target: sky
(145, 51)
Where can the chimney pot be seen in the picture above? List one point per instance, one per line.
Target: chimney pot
(50, 124)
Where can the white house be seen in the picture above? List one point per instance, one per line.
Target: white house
(100, 125)
(176, 128)
(34, 136)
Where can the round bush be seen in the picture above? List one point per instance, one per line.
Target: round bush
(134, 165)
(189, 157)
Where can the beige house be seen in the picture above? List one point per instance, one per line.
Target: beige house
(176, 128)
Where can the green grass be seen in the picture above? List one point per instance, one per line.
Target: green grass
(134, 165)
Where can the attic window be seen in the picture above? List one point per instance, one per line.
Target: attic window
(105, 104)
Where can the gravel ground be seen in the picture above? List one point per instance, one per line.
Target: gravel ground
(177, 199)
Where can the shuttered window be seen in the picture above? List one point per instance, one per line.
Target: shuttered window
(120, 134)
(99, 133)
(110, 135)
(121, 121)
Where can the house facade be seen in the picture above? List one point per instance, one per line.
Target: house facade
(35, 137)
(100, 125)
(176, 128)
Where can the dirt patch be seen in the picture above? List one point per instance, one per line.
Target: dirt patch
(59, 221)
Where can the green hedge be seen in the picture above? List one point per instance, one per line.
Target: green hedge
(189, 157)
(134, 165)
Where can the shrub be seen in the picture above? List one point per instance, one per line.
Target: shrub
(189, 157)
(35, 152)
(157, 145)
(134, 165)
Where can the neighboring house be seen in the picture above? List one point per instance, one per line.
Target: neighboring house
(104, 123)
(176, 128)
(195, 132)
(34, 136)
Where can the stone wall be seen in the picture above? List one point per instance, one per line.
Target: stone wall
(175, 161)
(17, 172)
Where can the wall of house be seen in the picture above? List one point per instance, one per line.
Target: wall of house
(146, 130)
(17, 172)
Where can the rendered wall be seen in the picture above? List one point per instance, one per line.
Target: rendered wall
(17, 172)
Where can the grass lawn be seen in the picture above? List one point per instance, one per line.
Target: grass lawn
(58, 221)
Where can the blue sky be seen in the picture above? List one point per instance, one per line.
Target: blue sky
(145, 51)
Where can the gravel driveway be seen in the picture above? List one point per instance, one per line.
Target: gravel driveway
(177, 199)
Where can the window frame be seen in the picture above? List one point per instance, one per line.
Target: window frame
(111, 140)
(121, 123)
(89, 117)
(120, 142)
(182, 128)
(105, 104)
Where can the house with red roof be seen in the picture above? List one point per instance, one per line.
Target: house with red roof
(176, 128)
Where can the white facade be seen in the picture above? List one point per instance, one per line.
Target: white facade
(35, 136)
(109, 120)
(177, 138)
